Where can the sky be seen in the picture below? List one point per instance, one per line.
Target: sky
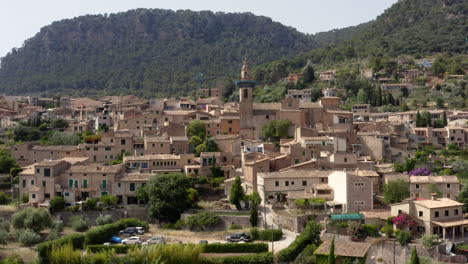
(22, 19)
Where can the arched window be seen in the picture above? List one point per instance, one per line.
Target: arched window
(246, 93)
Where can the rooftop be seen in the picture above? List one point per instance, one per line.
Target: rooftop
(434, 179)
(296, 174)
(438, 203)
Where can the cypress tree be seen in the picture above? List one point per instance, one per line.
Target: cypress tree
(418, 120)
(428, 119)
(444, 119)
(237, 193)
(414, 257)
(379, 96)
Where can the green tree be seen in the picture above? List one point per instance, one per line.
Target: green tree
(396, 191)
(109, 200)
(202, 221)
(196, 128)
(237, 193)
(276, 129)
(362, 97)
(58, 123)
(419, 120)
(309, 74)
(404, 107)
(463, 198)
(7, 162)
(255, 202)
(57, 204)
(168, 197)
(4, 198)
(195, 141)
(414, 256)
(36, 219)
(331, 255)
(440, 103)
(444, 119)
(142, 194)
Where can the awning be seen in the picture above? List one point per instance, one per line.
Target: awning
(451, 223)
(347, 216)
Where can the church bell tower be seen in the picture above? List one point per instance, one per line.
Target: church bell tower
(246, 86)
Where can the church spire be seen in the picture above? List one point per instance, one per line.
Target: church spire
(246, 74)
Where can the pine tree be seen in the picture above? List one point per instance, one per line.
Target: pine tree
(237, 193)
(414, 257)
(362, 97)
(444, 119)
(331, 255)
(309, 74)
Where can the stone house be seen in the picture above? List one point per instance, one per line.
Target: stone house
(442, 217)
(421, 187)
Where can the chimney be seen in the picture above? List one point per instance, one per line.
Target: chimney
(433, 196)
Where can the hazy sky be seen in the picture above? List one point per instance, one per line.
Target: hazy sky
(22, 19)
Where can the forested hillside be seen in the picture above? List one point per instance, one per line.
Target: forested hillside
(412, 27)
(145, 52)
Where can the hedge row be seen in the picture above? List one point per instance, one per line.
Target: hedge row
(76, 240)
(119, 249)
(208, 248)
(263, 258)
(311, 235)
(266, 235)
(236, 248)
(97, 235)
(102, 234)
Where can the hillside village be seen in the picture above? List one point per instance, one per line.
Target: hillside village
(362, 174)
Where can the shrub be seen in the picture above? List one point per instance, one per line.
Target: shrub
(387, 230)
(57, 204)
(167, 254)
(109, 200)
(254, 233)
(90, 204)
(53, 235)
(236, 248)
(404, 237)
(3, 237)
(65, 254)
(202, 220)
(263, 258)
(27, 237)
(270, 234)
(429, 241)
(4, 198)
(104, 220)
(4, 224)
(25, 198)
(180, 224)
(79, 223)
(73, 208)
(36, 219)
(370, 230)
(15, 259)
(119, 249)
(57, 225)
(235, 227)
(311, 235)
(44, 249)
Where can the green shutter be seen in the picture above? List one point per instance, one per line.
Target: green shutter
(85, 183)
(104, 183)
(70, 183)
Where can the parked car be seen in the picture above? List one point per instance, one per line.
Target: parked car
(134, 240)
(155, 240)
(203, 242)
(238, 237)
(131, 231)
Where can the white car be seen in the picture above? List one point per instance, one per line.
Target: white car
(155, 240)
(132, 241)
